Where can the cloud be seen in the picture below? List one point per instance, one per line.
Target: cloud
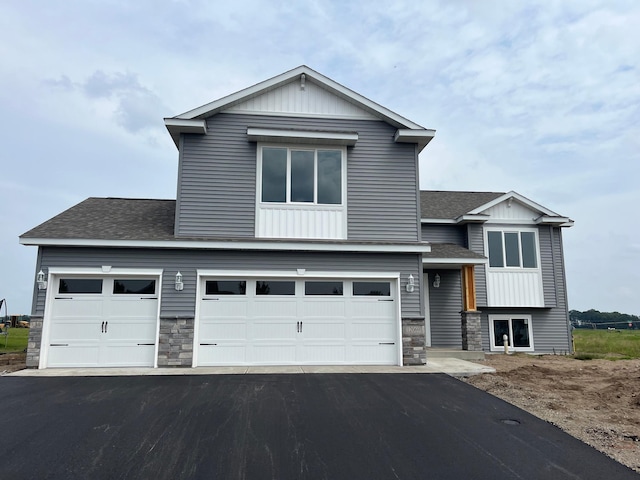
(134, 106)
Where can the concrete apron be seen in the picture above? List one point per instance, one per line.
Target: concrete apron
(451, 366)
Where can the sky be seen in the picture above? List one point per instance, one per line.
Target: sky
(538, 97)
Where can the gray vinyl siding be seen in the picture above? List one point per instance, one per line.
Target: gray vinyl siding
(444, 234)
(445, 304)
(476, 244)
(547, 264)
(217, 190)
(183, 303)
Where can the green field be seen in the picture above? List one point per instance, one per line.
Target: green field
(607, 343)
(16, 340)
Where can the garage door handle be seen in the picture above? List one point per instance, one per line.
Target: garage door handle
(210, 344)
(299, 327)
(102, 329)
(58, 344)
(387, 343)
(106, 326)
(146, 344)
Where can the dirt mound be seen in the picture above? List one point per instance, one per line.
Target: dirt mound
(597, 401)
(10, 362)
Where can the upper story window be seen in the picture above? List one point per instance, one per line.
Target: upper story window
(301, 175)
(512, 249)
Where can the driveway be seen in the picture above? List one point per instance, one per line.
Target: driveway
(320, 426)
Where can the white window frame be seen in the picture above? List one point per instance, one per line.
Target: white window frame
(510, 318)
(519, 231)
(314, 148)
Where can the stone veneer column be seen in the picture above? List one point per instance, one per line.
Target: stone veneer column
(34, 342)
(471, 333)
(175, 347)
(413, 342)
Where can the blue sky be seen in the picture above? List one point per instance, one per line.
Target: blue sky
(539, 97)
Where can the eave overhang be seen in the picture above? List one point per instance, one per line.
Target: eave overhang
(176, 126)
(421, 137)
(294, 136)
(554, 221)
(236, 244)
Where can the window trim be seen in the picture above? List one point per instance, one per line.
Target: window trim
(519, 230)
(510, 318)
(308, 147)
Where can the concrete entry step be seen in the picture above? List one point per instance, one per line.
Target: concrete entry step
(453, 353)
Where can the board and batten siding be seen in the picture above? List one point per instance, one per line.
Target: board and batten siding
(444, 234)
(445, 304)
(217, 172)
(174, 303)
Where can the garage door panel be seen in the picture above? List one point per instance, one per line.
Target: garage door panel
(273, 330)
(133, 331)
(222, 354)
(373, 354)
(79, 355)
(273, 353)
(129, 354)
(331, 329)
(329, 308)
(324, 353)
(90, 308)
(224, 307)
(234, 330)
(275, 309)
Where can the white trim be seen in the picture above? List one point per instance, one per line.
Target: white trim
(55, 272)
(420, 137)
(507, 229)
(455, 261)
(301, 136)
(176, 126)
(311, 75)
(309, 274)
(438, 220)
(524, 200)
(510, 317)
(300, 115)
(555, 221)
(427, 309)
(299, 246)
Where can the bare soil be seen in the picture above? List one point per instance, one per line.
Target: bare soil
(10, 362)
(596, 401)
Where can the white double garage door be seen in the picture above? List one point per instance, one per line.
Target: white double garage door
(112, 321)
(289, 321)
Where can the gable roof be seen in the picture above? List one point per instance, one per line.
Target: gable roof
(192, 121)
(468, 207)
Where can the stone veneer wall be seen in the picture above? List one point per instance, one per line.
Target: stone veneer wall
(471, 331)
(413, 342)
(34, 342)
(175, 348)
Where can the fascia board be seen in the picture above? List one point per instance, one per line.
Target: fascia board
(421, 137)
(449, 221)
(558, 221)
(454, 261)
(176, 126)
(524, 200)
(229, 245)
(225, 102)
(301, 136)
(474, 218)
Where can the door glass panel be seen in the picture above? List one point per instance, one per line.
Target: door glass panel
(271, 287)
(330, 177)
(302, 176)
(274, 174)
(494, 240)
(226, 287)
(373, 289)
(512, 249)
(520, 328)
(323, 288)
(500, 328)
(134, 286)
(80, 285)
(529, 250)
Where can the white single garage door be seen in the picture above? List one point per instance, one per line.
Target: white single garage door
(256, 321)
(103, 322)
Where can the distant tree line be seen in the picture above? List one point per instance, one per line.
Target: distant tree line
(595, 319)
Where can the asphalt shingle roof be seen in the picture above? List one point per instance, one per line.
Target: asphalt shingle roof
(450, 250)
(450, 205)
(111, 219)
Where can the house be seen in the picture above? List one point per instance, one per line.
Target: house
(298, 235)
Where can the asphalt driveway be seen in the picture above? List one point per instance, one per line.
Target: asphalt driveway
(322, 426)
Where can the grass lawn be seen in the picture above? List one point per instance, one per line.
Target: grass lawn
(16, 341)
(607, 343)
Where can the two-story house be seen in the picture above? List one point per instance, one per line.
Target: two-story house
(298, 235)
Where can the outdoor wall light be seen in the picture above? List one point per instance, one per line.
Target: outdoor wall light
(411, 284)
(436, 281)
(41, 280)
(179, 284)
